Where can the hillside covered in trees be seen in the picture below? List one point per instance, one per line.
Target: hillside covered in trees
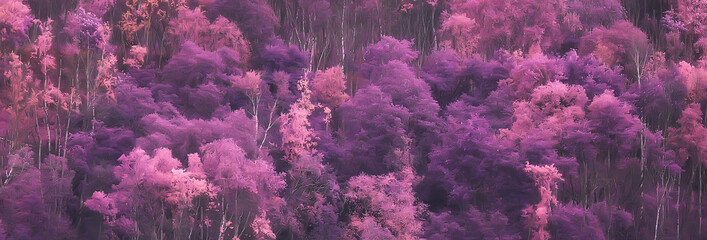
(353, 119)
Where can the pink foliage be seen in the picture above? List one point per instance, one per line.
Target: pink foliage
(136, 56)
(140, 15)
(385, 205)
(298, 137)
(515, 24)
(248, 84)
(236, 119)
(147, 182)
(546, 178)
(531, 73)
(622, 44)
(192, 25)
(552, 106)
(43, 45)
(459, 33)
(329, 87)
(16, 15)
(226, 164)
(370, 229)
(696, 81)
(22, 102)
(101, 203)
(262, 227)
(107, 79)
(690, 139)
(692, 14)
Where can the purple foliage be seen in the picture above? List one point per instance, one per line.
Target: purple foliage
(375, 128)
(591, 74)
(358, 119)
(597, 13)
(255, 17)
(574, 222)
(84, 29)
(185, 136)
(440, 71)
(192, 66)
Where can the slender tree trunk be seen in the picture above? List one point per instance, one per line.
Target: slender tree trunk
(657, 214)
(39, 149)
(343, 34)
(68, 121)
(222, 228)
(270, 124)
(679, 180)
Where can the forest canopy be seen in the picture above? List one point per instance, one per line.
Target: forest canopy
(353, 119)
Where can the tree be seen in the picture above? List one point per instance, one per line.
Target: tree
(311, 25)
(298, 138)
(136, 57)
(35, 200)
(597, 13)
(15, 20)
(691, 15)
(502, 25)
(186, 136)
(191, 66)
(616, 129)
(146, 18)
(532, 72)
(373, 129)
(574, 222)
(148, 188)
(192, 25)
(465, 157)
(592, 75)
(616, 135)
(695, 81)
(86, 31)
(690, 143)
(621, 44)
(255, 17)
(329, 86)
(22, 102)
(386, 67)
(482, 77)
(312, 189)
(610, 217)
(384, 206)
(660, 98)
(545, 124)
(384, 51)
(457, 33)
(552, 107)
(690, 137)
(106, 79)
(440, 70)
(249, 198)
(546, 178)
(251, 84)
